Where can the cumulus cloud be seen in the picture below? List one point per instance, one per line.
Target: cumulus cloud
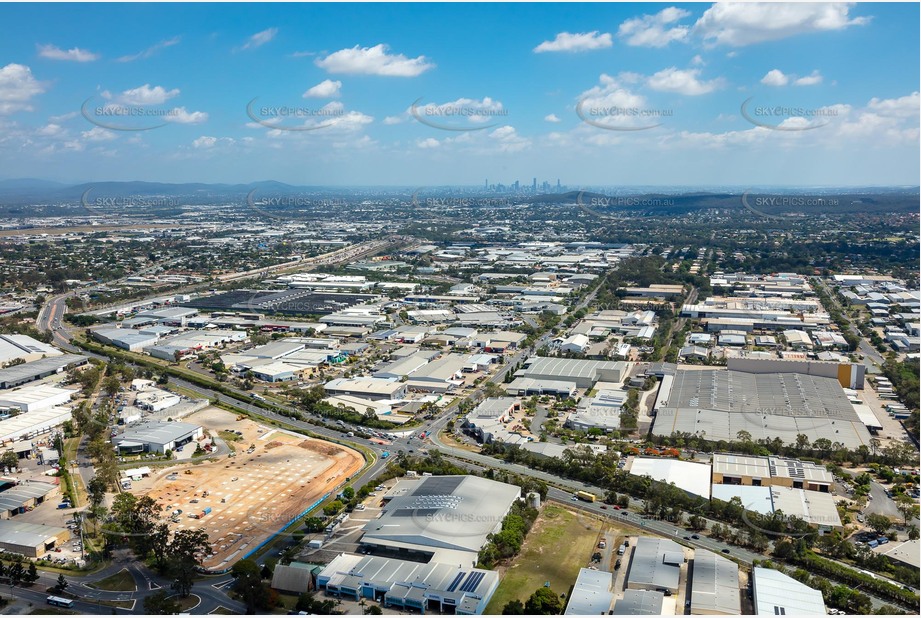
(738, 24)
(682, 81)
(75, 54)
(552, 118)
(147, 95)
(775, 77)
(17, 88)
(655, 30)
(813, 79)
(327, 89)
(568, 42)
(180, 115)
(375, 60)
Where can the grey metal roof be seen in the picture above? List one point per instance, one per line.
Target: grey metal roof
(655, 564)
(714, 584)
(156, 432)
(17, 532)
(591, 593)
(37, 368)
(639, 603)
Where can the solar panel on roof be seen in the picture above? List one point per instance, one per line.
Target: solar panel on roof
(457, 580)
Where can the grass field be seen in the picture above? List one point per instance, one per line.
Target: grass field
(558, 545)
(120, 582)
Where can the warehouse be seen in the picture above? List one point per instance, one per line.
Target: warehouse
(601, 412)
(156, 437)
(583, 372)
(24, 347)
(591, 594)
(19, 498)
(448, 588)
(30, 424)
(774, 471)
(776, 594)
(367, 388)
(655, 565)
(18, 375)
(718, 404)
(295, 578)
(574, 344)
(30, 540)
(525, 387)
(155, 399)
(849, 375)
(487, 421)
(422, 517)
(692, 478)
(813, 507)
(440, 375)
(403, 366)
(125, 338)
(639, 603)
(714, 585)
(35, 397)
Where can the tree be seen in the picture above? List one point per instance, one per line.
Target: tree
(513, 608)
(17, 572)
(348, 492)
(543, 601)
(248, 583)
(879, 523)
(62, 584)
(31, 575)
(159, 604)
(183, 554)
(10, 460)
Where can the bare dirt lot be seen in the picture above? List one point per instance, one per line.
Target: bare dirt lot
(272, 478)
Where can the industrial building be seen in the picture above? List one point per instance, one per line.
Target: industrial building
(691, 477)
(35, 397)
(30, 540)
(813, 507)
(367, 388)
(295, 578)
(639, 603)
(487, 421)
(591, 594)
(849, 375)
(774, 471)
(525, 387)
(776, 594)
(601, 412)
(17, 375)
(439, 376)
(446, 518)
(15, 499)
(717, 404)
(714, 585)
(445, 587)
(655, 565)
(584, 373)
(156, 437)
(23, 347)
(30, 424)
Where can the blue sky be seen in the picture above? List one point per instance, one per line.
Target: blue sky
(501, 91)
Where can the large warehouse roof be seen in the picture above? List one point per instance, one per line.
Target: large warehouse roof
(592, 593)
(29, 422)
(157, 432)
(694, 478)
(639, 603)
(815, 507)
(17, 532)
(569, 368)
(655, 564)
(777, 594)
(443, 513)
(718, 404)
(19, 374)
(714, 584)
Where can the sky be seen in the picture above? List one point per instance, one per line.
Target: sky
(729, 94)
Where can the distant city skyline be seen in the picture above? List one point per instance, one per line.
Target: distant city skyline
(545, 95)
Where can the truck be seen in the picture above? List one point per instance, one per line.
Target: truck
(207, 511)
(64, 505)
(585, 495)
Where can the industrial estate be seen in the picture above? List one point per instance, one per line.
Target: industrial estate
(519, 397)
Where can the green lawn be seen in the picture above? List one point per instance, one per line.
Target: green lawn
(187, 603)
(120, 582)
(558, 545)
(228, 436)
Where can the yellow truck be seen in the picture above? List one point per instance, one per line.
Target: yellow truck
(584, 495)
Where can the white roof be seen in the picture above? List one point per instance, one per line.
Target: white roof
(778, 594)
(592, 593)
(693, 478)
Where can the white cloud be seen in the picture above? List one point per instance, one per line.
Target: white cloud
(98, 134)
(903, 107)
(682, 81)
(373, 61)
(179, 115)
(567, 42)
(76, 54)
(326, 89)
(812, 79)
(506, 138)
(150, 51)
(775, 77)
(654, 30)
(697, 61)
(260, 38)
(552, 118)
(472, 110)
(206, 142)
(17, 87)
(745, 23)
(429, 142)
(147, 95)
(391, 120)
(50, 130)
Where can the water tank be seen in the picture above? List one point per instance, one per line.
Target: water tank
(534, 500)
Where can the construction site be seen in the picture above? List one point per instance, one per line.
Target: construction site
(269, 478)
